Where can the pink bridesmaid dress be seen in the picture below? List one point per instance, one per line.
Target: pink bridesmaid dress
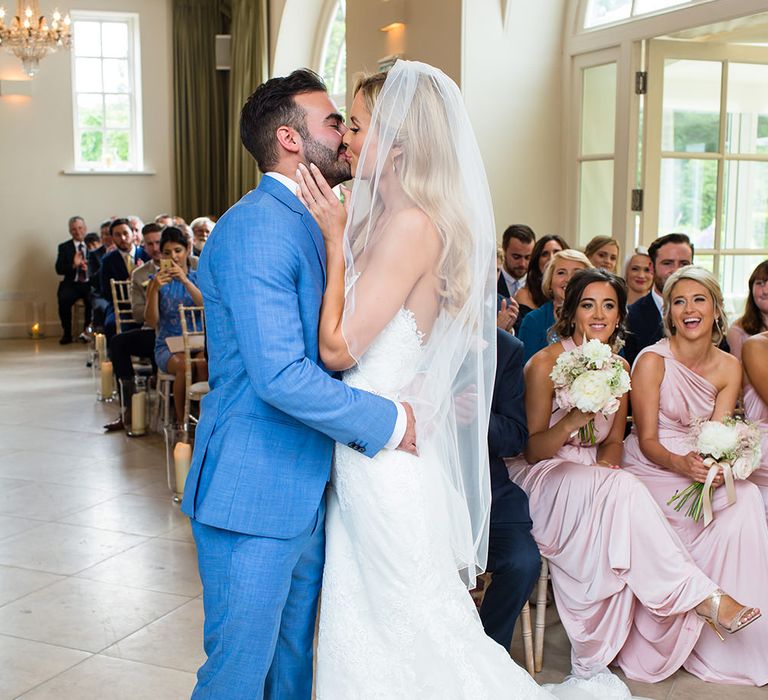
(618, 569)
(756, 410)
(732, 550)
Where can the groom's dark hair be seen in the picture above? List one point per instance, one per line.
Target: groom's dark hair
(271, 106)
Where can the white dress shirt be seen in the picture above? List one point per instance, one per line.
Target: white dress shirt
(402, 419)
(513, 285)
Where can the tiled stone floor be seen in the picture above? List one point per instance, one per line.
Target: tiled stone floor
(99, 593)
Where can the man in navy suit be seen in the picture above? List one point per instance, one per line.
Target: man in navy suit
(118, 265)
(71, 263)
(517, 244)
(513, 557)
(668, 254)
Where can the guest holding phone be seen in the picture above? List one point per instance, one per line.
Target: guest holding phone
(173, 285)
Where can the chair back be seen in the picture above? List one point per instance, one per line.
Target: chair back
(121, 302)
(193, 334)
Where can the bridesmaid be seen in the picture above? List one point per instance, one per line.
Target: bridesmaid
(754, 358)
(754, 320)
(617, 566)
(684, 377)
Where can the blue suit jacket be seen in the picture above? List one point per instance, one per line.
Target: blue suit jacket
(265, 440)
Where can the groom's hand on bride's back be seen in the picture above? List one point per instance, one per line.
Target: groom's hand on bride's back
(408, 443)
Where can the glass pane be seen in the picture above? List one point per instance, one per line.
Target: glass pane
(114, 37)
(644, 6)
(745, 205)
(118, 149)
(595, 200)
(88, 74)
(598, 109)
(747, 120)
(90, 146)
(335, 53)
(115, 75)
(687, 199)
(90, 110)
(606, 11)
(691, 118)
(118, 108)
(87, 39)
(734, 276)
(705, 261)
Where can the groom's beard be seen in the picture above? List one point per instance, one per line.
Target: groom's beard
(332, 167)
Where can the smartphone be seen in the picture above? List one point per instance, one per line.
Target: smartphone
(166, 264)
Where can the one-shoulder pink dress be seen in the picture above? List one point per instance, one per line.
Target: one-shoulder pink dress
(756, 410)
(618, 569)
(732, 550)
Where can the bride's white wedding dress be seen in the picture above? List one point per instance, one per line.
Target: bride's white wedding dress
(396, 620)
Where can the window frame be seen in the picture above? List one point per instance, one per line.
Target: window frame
(329, 17)
(136, 130)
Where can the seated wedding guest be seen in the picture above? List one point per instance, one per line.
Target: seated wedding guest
(99, 305)
(637, 273)
(506, 309)
(106, 236)
(137, 342)
(118, 265)
(534, 330)
(136, 225)
(754, 320)
(668, 254)
(92, 242)
(678, 380)
(626, 589)
(513, 557)
(164, 219)
(754, 358)
(603, 252)
(201, 229)
(72, 265)
(531, 296)
(517, 244)
(166, 291)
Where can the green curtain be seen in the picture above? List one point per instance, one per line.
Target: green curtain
(250, 68)
(200, 110)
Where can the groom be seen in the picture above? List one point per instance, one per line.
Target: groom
(263, 448)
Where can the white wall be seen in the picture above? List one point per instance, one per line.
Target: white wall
(512, 85)
(36, 143)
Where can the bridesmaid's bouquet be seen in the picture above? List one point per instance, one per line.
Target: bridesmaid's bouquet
(591, 378)
(731, 445)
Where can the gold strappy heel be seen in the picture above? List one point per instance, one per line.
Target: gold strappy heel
(736, 623)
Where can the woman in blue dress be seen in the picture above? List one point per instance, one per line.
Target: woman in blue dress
(535, 326)
(173, 285)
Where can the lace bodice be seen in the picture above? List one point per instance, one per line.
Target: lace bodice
(390, 362)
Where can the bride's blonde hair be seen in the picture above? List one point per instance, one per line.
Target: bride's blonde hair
(429, 171)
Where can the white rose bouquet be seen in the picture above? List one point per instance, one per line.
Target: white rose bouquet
(591, 378)
(731, 445)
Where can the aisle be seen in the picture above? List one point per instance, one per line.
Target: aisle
(98, 578)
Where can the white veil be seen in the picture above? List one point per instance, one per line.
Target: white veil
(420, 140)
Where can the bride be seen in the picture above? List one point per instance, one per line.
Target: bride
(409, 312)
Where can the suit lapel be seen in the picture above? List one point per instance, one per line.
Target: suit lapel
(290, 200)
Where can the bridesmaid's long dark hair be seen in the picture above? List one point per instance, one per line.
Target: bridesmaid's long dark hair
(581, 279)
(535, 276)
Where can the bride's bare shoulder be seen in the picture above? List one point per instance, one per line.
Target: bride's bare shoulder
(413, 226)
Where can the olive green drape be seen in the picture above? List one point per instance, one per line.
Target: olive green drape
(200, 110)
(250, 66)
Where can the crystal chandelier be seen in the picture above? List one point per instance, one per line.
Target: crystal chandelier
(31, 36)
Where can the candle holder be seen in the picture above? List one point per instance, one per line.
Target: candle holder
(179, 444)
(136, 424)
(36, 319)
(105, 382)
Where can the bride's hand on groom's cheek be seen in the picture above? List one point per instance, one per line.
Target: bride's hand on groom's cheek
(326, 208)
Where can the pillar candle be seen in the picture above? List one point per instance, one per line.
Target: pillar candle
(139, 413)
(36, 330)
(106, 379)
(101, 346)
(182, 457)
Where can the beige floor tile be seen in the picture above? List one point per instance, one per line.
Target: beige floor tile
(85, 615)
(182, 533)
(173, 641)
(167, 566)
(59, 548)
(45, 501)
(688, 687)
(16, 583)
(31, 663)
(103, 677)
(10, 525)
(33, 465)
(139, 515)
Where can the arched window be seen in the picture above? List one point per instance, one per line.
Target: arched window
(333, 61)
(601, 12)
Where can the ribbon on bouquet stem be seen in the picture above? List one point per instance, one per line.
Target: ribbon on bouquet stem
(730, 488)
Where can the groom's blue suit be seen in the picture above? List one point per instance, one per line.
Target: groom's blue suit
(264, 445)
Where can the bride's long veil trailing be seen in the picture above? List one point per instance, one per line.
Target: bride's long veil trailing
(420, 131)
